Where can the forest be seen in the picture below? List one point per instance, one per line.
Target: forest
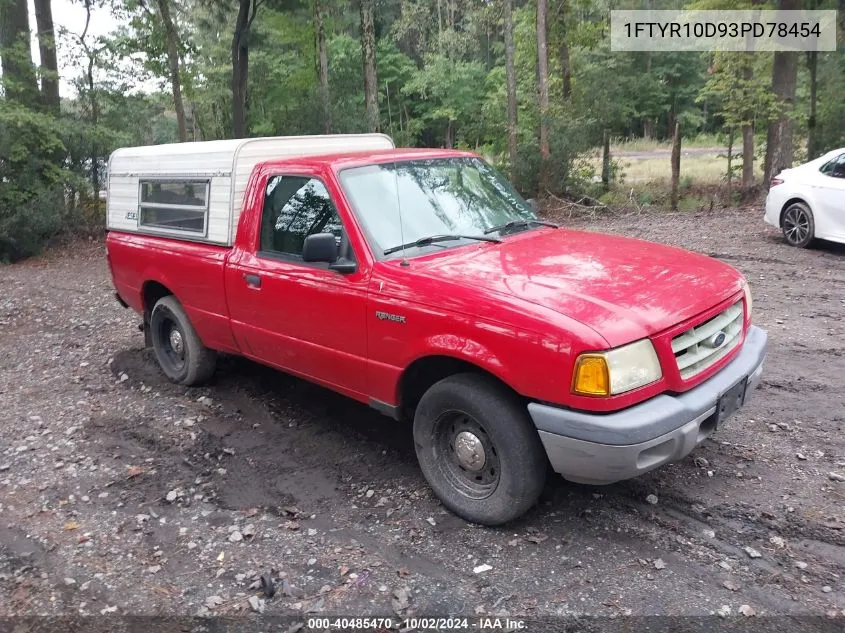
(531, 85)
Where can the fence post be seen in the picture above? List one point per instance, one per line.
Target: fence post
(605, 160)
(676, 164)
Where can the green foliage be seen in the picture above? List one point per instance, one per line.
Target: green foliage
(49, 164)
(446, 91)
(739, 87)
(31, 193)
(441, 82)
(395, 70)
(831, 109)
(569, 171)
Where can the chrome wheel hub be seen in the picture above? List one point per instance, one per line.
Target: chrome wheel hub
(176, 343)
(470, 451)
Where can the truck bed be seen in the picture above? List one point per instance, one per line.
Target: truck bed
(193, 270)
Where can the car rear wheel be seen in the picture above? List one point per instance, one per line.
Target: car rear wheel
(798, 225)
(179, 351)
(478, 449)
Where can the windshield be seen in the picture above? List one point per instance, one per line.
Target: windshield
(441, 196)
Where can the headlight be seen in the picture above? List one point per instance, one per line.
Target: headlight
(748, 302)
(616, 371)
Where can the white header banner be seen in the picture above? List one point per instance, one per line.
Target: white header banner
(751, 30)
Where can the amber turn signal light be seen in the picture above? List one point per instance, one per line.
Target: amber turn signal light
(591, 377)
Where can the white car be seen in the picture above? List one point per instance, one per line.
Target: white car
(808, 201)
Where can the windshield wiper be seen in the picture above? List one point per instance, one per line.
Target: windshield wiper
(515, 223)
(425, 241)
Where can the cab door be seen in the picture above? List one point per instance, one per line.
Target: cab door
(299, 316)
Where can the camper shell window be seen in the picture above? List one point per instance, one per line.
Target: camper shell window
(174, 205)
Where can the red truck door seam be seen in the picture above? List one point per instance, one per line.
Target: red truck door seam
(229, 256)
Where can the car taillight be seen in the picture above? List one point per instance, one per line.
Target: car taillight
(775, 182)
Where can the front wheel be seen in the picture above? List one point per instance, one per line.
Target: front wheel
(179, 351)
(478, 449)
(798, 225)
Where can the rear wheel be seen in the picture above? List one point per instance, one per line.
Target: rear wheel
(179, 351)
(798, 225)
(478, 449)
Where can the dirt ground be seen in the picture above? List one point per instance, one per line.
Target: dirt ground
(121, 493)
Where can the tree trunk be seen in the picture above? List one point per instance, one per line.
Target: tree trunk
(671, 119)
(510, 71)
(95, 120)
(747, 157)
(605, 160)
(566, 70)
(543, 85)
(565, 63)
(368, 50)
(748, 135)
(439, 28)
(812, 135)
(19, 78)
(322, 64)
(199, 132)
(47, 53)
(173, 62)
(93, 103)
(676, 165)
(240, 65)
(730, 165)
(779, 149)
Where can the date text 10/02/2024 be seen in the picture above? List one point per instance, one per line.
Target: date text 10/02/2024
(486, 623)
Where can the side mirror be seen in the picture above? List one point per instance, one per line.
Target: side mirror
(320, 247)
(533, 204)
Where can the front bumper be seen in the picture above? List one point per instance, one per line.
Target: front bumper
(605, 448)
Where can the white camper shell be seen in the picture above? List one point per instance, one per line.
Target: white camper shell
(195, 191)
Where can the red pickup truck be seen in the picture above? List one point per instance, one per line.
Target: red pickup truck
(421, 283)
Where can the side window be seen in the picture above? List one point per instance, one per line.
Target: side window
(294, 208)
(835, 167)
(839, 167)
(176, 205)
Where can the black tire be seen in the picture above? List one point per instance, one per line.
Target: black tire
(798, 225)
(179, 351)
(500, 424)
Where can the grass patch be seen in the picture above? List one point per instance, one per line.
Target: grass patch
(699, 168)
(657, 196)
(619, 144)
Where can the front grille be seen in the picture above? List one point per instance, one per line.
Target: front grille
(694, 349)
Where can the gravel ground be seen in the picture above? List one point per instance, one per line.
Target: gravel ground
(121, 493)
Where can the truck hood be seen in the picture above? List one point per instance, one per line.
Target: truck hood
(624, 289)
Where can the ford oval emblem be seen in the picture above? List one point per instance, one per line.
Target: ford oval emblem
(717, 340)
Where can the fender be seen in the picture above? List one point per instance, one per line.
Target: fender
(463, 349)
(804, 194)
(470, 350)
(153, 274)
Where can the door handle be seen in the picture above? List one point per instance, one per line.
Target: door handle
(253, 281)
